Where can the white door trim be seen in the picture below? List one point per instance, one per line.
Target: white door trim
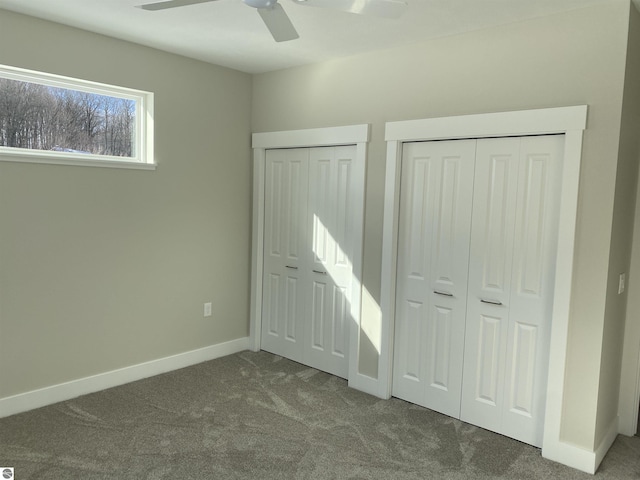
(570, 121)
(317, 137)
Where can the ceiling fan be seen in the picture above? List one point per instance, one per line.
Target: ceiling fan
(278, 22)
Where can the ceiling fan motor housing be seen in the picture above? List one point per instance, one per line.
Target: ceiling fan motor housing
(261, 3)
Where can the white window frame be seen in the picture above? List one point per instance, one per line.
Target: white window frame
(143, 158)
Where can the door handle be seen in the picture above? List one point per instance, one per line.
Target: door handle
(292, 268)
(490, 302)
(318, 271)
(443, 293)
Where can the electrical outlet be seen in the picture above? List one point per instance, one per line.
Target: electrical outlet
(207, 309)
(621, 283)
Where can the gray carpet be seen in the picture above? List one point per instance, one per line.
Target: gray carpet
(258, 416)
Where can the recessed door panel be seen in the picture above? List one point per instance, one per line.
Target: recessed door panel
(272, 304)
(281, 296)
(296, 189)
(487, 360)
(529, 267)
(276, 213)
(318, 301)
(440, 361)
(410, 334)
(343, 232)
(339, 322)
(445, 237)
(520, 398)
(292, 298)
(419, 210)
(482, 389)
(494, 216)
(322, 210)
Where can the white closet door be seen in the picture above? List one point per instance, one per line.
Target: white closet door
(433, 257)
(532, 283)
(332, 197)
(285, 252)
(515, 207)
(494, 211)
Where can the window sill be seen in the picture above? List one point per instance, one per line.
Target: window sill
(77, 162)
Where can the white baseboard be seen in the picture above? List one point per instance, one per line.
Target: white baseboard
(570, 455)
(65, 391)
(580, 458)
(607, 441)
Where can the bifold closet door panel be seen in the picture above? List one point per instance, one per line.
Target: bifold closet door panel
(511, 273)
(285, 276)
(494, 217)
(332, 197)
(532, 285)
(433, 258)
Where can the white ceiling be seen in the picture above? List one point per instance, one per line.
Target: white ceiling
(230, 33)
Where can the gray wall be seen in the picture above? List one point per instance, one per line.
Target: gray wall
(629, 155)
(569, 59)
(621, 233)
(106, 268)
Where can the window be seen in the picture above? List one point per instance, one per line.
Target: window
(48, 118)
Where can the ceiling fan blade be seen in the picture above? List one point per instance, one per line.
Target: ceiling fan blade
(378, 8)
(171, 4)
(278, 23)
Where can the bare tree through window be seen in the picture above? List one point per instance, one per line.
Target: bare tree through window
(42, 117)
